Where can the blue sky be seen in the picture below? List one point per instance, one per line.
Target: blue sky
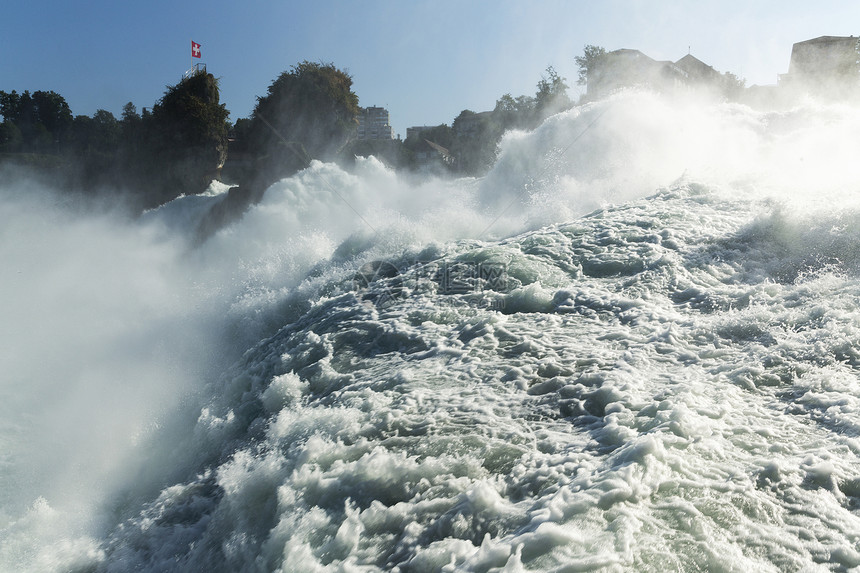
(423, 60)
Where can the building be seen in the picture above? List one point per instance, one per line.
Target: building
(626, 68)
(468, 124)
(631, 68)
(415, 131)
(697, 71)
(374, 124)
(425, 153)
(824, 65)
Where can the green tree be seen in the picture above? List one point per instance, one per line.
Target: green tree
(132, 133)
(588, 61)
(104, 132)
(312, 106)
(476, 144)
(9, 105)
(732, 86)
(241, 129)
(10, 137)
(54, 113)
(183, 140)
(551, 96)
(190, 119)
(514, 113)
(129, 113)
(43, 118)
(130, 121)
(93, 145)
(82, 130)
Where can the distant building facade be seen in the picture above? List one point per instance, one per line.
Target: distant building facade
(468, 124)
(631, 68)
(374, 124)
(827, 64)
(423, 151)
(416, 130)
(627, 68)
(697, 71)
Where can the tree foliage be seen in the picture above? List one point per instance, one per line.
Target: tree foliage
(588, 61)
(732, 86)
(476, 144)
(10, 137)
(185, 136)
(551, 96)
(477, 138)
(312, 105)
(42, 119)
(308, 112)
(175, 149)
(514, 113)
(190, 116)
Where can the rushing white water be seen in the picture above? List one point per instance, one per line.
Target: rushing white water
(633, 346)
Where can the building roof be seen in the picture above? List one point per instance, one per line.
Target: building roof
(691, 60)
(696, 68)
(627, 52)
(823, 55)
(823, 39)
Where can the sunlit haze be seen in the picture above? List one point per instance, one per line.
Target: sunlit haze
(612, 334)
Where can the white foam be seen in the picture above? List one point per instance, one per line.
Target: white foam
(668, 381)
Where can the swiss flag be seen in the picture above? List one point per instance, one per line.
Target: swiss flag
(195, 49)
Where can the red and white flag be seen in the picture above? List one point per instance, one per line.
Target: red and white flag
(195, 49)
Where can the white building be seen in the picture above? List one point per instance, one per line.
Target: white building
(374, 123)
(827, 65)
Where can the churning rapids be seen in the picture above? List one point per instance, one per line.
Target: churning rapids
(633, 346)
